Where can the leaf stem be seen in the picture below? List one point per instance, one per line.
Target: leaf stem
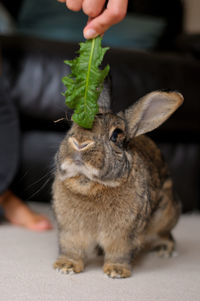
(88, 71)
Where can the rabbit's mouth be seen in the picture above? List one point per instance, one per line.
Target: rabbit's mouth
(78, 162)
(72, 168)
(77, 159)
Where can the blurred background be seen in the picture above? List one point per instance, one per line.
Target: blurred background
(157, 46)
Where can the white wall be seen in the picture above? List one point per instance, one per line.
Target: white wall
(192, 16)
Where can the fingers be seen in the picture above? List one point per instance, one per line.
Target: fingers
(114, 13)
(93, 8)
(99, 20)
(74, 5)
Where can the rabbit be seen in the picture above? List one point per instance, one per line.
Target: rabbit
(112, 188)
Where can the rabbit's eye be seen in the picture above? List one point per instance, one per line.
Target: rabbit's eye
(115, 134)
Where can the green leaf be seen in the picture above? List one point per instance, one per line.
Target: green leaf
(85, 82)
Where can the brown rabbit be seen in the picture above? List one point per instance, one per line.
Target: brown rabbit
(112, 188)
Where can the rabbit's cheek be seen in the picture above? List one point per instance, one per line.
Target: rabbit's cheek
(90, 172)
(129, 157)
(68, 170)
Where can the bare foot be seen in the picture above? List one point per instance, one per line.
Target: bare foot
(19, 214)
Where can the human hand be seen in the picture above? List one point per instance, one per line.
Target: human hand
(100, 17)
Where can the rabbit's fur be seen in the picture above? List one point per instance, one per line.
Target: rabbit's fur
(112, 188)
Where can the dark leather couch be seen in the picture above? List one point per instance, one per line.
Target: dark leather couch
(32, 70)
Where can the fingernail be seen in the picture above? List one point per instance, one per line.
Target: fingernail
(90, 33)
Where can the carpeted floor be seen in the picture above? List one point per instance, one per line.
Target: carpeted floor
(26, 272)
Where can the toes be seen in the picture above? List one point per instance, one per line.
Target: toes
(40, 225)
(67, 266)
(117, 271)
(163, 254)
(66, 270)
(164, 250)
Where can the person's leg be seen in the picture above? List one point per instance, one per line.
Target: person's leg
(14, 208)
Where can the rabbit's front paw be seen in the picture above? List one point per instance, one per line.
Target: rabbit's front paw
(66, 265)
(117, 270)
(164, 251)
(164, 247)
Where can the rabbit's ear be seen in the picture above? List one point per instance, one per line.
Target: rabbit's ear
(151, 111)
(105, 97)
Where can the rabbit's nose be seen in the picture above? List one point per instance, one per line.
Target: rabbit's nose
(80, 145)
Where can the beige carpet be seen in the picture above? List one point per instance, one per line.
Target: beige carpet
(26, 272)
